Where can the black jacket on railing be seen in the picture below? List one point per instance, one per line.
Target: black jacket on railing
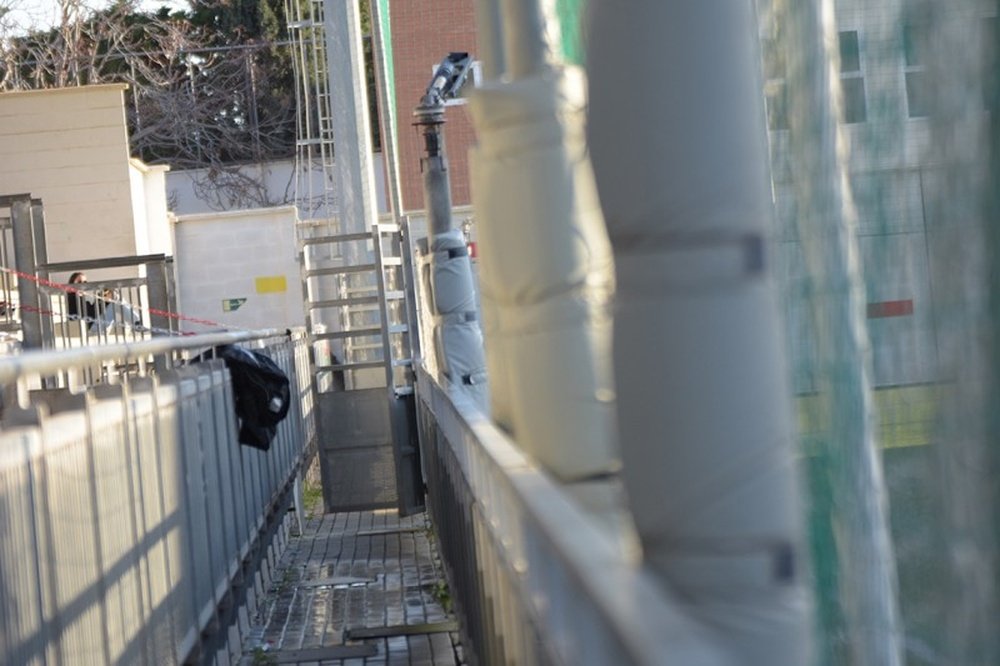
(261, 393)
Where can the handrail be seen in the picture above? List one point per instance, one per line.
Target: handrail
(140, 488)
(539, 565)
(106, 262)
(49, 361)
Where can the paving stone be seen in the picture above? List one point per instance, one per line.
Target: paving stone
(442, 649)
(356, 570)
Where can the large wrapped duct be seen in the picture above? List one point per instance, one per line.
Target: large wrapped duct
(501, 410)
(704, 418)
(546, 272)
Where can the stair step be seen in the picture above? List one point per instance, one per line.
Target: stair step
(340, 302)
(338, 238)
(367, 346)
(341, 335)
(360, 365)
(340, 270)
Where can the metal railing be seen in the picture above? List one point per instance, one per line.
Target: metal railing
(109, 311)
(535, 581)
(22, 244)
(130, 518)
(36, 312)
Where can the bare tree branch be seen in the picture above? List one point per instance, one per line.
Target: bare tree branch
(194, 101)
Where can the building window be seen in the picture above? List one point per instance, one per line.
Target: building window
(852, 81)
(775, 87)
(915, 70)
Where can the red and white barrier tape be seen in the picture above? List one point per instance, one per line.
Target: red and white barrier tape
(69, 289)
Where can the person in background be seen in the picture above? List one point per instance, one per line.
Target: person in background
(101, 310)
(116, 314)
(78, 304)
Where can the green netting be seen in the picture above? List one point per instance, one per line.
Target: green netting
(886, 238)
(571, 13)
(390, 74)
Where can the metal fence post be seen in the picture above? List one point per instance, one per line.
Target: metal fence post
(39, 248)
(24, 258)
(158, 286)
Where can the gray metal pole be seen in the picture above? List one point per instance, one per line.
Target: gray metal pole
(349, 115)
(489, 39)
(434, 165)
(528, 36)
(458, 338)
(41, 258)
(389, 141)
(389, 131)
(157, 286)
(24, 258)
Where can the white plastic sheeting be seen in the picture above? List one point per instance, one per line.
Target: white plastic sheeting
(704, 414)
(546, 272)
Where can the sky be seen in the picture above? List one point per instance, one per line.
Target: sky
(44, 13)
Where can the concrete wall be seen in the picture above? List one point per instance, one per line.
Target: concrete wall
(69, 147)
(251, 255)
(149, 208)
(191, 191)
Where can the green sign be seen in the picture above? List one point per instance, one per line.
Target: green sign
(232, 304)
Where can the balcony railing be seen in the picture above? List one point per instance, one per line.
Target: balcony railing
(535, 580)
(130, 519)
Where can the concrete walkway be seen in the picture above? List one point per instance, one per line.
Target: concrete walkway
(358, 589)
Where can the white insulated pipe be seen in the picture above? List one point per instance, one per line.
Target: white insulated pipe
(501, 410)
(704, 411)
(546, 276)
(458, 339)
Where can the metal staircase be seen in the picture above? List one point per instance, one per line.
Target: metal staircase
(354, 285)
(370, 299)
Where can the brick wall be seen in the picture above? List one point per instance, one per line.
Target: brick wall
(423, 31)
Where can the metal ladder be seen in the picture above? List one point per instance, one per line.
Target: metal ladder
(357, 298)
(366, 400)
(368, 342)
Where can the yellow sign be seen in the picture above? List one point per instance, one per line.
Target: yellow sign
(271, 284)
